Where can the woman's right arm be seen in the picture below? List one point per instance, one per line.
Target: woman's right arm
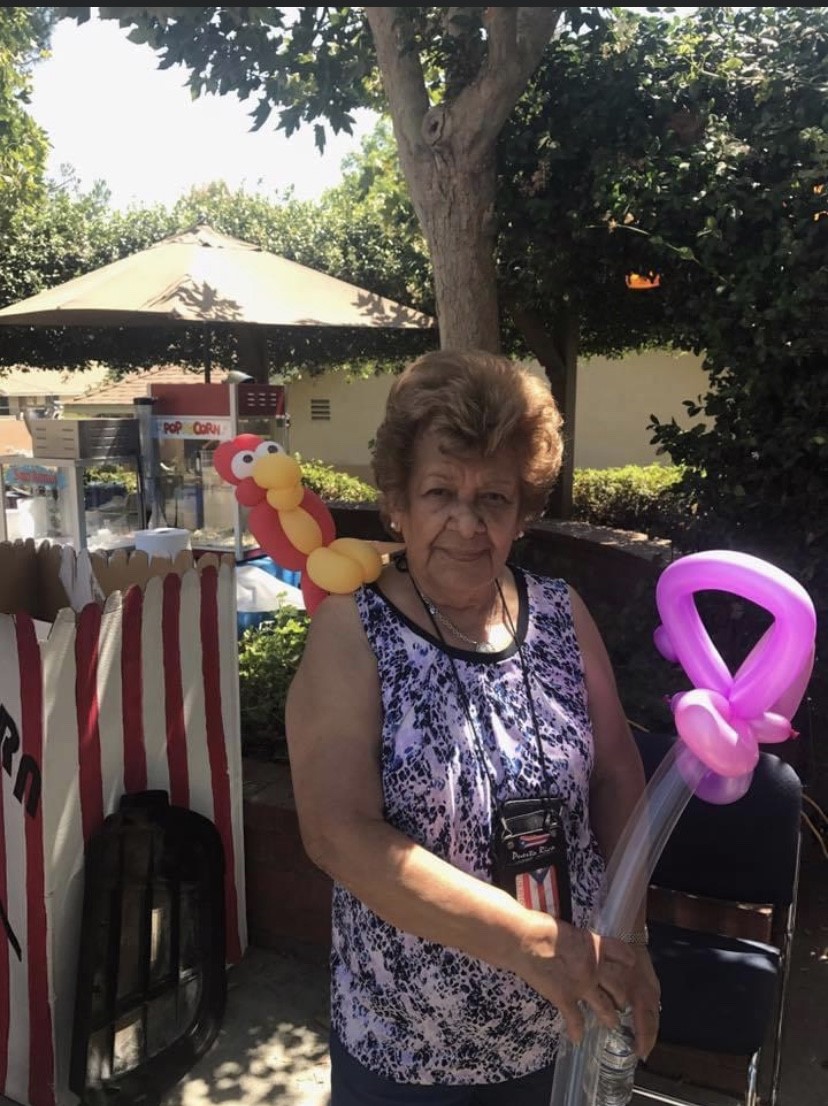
(333, 720)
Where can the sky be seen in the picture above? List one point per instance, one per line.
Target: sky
(114, 116)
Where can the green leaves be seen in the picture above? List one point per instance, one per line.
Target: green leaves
(334, 486)
(645, 499)
(696, 148)
(298, 65)
(269, 655)
(24, 37)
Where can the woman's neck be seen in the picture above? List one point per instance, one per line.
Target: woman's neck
(483, 606)
(481, 620)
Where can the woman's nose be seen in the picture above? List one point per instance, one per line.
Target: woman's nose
(466, 519)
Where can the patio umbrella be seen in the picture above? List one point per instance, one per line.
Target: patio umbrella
(203, 277)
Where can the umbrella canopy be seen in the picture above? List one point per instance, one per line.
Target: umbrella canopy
(204, 277)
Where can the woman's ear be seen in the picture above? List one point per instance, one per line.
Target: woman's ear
(393, 512)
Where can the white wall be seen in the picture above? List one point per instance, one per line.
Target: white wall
(356, 408)
(615, 399)
(614, 403)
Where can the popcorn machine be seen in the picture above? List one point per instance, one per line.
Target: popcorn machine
(82, 486)
(183, 425)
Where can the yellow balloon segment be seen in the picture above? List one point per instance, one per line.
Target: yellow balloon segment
(333, 572)
(301, 529)
(276, 470)
(365, 554)
(285, 499)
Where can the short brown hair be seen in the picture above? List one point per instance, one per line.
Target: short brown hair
(479, 402)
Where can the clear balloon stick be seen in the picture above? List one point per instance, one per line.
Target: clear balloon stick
(625, 886)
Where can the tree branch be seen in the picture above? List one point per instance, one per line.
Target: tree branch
(557, 351)
(517, 40)
(402, 76)
(539, 340)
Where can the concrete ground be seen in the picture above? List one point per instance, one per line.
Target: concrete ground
(273, 1044)
(272, 1048)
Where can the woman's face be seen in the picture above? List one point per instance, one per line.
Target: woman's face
(460, 519)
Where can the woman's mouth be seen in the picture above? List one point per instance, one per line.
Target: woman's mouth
(465, 554)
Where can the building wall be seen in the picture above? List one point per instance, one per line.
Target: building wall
(614, 402)
(356, 408)
(14, 436)
(615, 399)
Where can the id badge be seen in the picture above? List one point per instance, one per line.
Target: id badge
(529, 855)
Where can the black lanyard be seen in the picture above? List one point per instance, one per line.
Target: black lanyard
(402, 566)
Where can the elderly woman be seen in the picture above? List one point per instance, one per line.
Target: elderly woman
(462, 767)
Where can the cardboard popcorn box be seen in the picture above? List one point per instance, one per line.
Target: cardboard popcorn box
(136, 690)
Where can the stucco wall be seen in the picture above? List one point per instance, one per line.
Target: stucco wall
(614, 403)
(356, 408)
(616, 398)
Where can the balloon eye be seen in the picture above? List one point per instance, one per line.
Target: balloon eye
(242, 465)
(268, 449)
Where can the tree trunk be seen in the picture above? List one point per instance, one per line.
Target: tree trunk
(566, 333)
(447, 155)
(455, 205)
(452, 186)
(557, 352)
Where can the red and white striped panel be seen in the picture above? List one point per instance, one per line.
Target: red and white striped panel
(26, 1039)
(63, 832)
(140, 695)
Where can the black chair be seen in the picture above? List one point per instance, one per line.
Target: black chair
(721, 911)
(151, 982)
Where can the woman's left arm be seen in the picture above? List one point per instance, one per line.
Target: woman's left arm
(616, 785)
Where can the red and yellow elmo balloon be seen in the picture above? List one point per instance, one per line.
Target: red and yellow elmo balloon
(291, 523)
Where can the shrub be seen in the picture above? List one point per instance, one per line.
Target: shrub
(270, 652)
(660, 502)
(269, 655)
(647, 499)
(331, 485)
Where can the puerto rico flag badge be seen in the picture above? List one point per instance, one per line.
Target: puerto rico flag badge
(538, 890)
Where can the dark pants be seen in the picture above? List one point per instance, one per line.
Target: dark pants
(354, 1085)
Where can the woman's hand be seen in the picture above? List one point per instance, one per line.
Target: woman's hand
(644, 996)
(569, 966)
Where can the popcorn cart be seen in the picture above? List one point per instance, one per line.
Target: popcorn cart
(188, 422)
(82, 487)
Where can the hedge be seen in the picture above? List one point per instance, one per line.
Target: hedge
(645, 499)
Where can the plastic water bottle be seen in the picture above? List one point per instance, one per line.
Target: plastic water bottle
(616, 1064)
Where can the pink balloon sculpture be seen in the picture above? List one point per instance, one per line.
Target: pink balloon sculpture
(725, 718)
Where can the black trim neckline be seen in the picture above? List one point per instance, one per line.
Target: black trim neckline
(471, 654)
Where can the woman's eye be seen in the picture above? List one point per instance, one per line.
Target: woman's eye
(437, 492)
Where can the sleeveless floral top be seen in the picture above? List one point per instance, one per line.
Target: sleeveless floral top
(412, 1010)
